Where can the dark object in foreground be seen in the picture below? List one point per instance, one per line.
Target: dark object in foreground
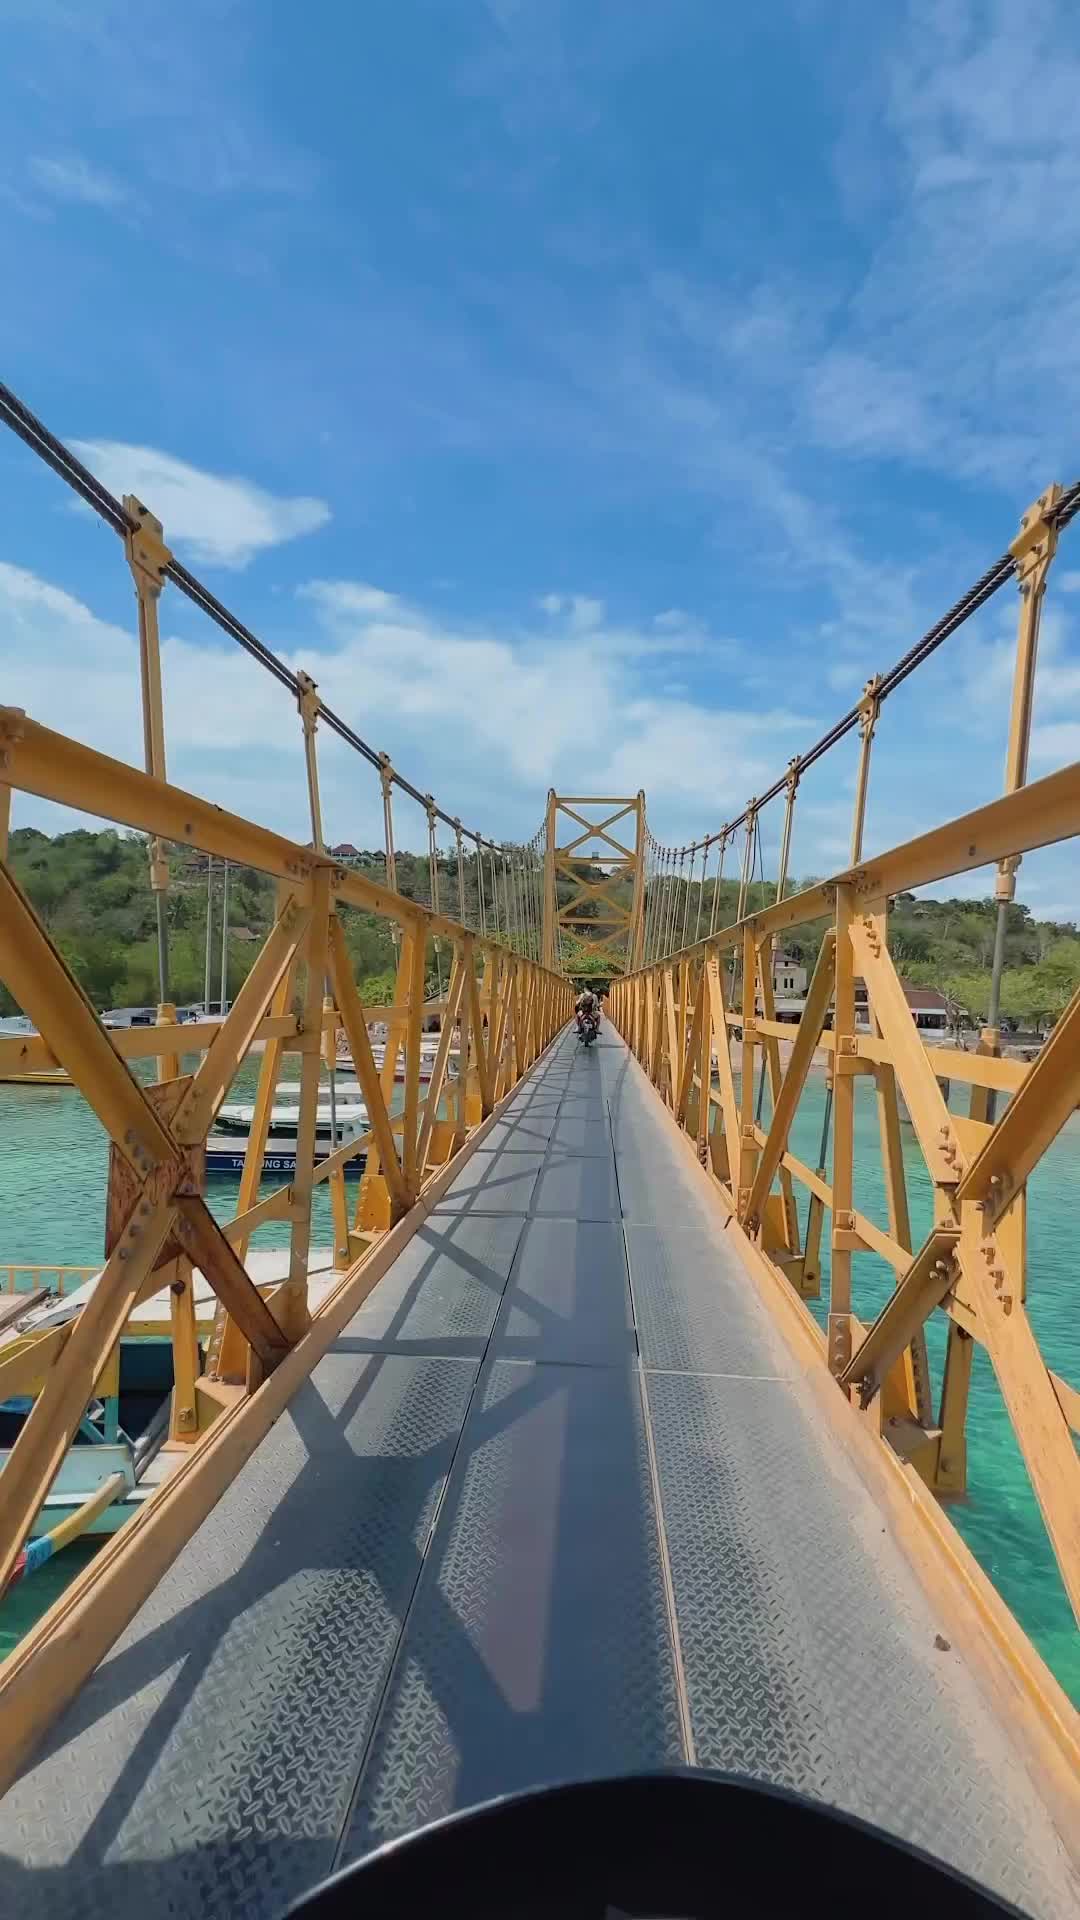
(680, 1843)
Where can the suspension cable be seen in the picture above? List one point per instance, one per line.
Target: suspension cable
(988, 583)
(34, 434)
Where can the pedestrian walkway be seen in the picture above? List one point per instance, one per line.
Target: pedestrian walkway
(555, 1504)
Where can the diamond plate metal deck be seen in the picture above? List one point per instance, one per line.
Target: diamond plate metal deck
(568, 1297)
(810, 1650)
(493, 1183)
(694, 1307)
(527, 1132)
(208, 1764)
(577, 1188)
(538, 1645)
(488, 1544)
(582, 1134)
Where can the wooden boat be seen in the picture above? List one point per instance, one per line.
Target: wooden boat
(43, 1077)
(122, 1451)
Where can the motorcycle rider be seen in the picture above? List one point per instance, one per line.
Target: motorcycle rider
(587, 1007)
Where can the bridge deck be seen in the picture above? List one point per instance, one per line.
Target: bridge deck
(554, 1504)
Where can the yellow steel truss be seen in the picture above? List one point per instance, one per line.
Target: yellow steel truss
(681, 1004)
(972, 1267)
(596, 849)
(500, 1010)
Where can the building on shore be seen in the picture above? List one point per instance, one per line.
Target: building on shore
(929, 1007)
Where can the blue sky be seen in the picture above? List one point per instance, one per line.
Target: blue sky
(585, 394)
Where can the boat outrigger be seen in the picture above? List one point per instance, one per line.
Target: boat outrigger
(122, 1449)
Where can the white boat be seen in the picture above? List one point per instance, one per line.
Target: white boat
(346, 1064)
(227, 1145)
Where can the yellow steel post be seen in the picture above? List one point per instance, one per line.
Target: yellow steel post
(383, 1162)
(714, 909)
(226, 1359)
(676, 890)
(951, 1474)
(908, 1390)
(681, 975)
(706, 848)
(663, 947)
(462, 1091)
(433, 881)
(460, 850)
(843, 1218)
(374, 1198)
(450, 1015)
(386, 779)
(269, 1068)
(168, 1065)
(721, 1040)
(413, 1032)
(683, 936)
(748, 1150)
(309, 706)
(307, 701)
(792, 787)
(704, 1111)
(869, 709)
(291, 1304)
(656, 910)
(1033, 551)
(183, 1419)
(637, 923)
(148, 558)
(748, 856)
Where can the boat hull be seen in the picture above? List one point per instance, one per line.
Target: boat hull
(81, 1473)
(228, 1163)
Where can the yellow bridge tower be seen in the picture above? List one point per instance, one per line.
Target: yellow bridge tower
(607, 912)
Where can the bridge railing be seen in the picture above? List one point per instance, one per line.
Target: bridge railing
(683, 901)
(681, 1016)
(466, 961)
(500, 1009)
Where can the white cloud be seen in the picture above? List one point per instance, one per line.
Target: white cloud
(486, 719)
(976, 207)
(71, 177)
(858, 406)
(222, 520)
(1067, 582)
(1056, 745)
(537, 706)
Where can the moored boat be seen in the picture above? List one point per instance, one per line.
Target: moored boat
(226, 1147)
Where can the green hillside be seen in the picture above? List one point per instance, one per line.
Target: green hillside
(92, 892)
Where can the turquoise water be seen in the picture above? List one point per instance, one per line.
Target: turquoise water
(52, 1184)
(54, 1157)
(999, 1517)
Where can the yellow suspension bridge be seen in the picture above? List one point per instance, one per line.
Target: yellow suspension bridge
(553, 1473)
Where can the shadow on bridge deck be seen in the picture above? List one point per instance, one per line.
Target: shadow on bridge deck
(554, 1504)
